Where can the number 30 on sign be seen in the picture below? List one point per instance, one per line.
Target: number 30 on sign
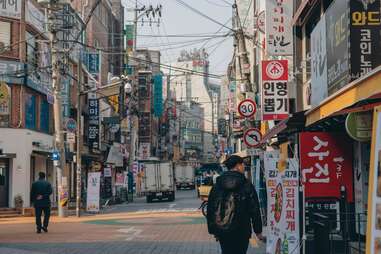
(247, 108)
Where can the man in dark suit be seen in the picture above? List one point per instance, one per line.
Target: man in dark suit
(40, 197)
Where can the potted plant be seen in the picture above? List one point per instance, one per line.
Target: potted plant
(19, 202)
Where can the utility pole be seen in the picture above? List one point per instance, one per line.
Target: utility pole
(56, 81)
(79, 139)
(242, 55)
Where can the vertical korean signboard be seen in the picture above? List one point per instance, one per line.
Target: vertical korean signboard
(373, 237)
(275, 104)
(158, 95)
(93, 135)
(278, 27)
(319, 88)
(326, 165)
(282, 207)
(365, 37)
(337, 18)
(93, 191)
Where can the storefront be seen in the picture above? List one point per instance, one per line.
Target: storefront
(24, 154)
(352, 108)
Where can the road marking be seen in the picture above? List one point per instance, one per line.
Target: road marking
(130, 233)
(168, 210)
(171, 206)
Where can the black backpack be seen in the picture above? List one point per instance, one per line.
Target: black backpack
(224, 213)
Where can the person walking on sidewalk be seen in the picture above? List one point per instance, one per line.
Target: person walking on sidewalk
(233, 209)
(40, 197)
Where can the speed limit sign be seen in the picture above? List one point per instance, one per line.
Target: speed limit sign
(247, 108)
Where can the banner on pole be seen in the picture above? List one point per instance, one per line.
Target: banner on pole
(282, 207)
(279, 27)
(93, 191)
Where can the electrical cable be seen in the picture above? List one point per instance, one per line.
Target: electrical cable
(202, 14)
(215, 4)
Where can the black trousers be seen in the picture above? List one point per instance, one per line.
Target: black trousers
(38, 212)
(234, 245)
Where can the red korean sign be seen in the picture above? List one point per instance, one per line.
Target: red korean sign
(275, 104)
(326, 164)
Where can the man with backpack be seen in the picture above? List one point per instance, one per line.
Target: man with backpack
(233, 209)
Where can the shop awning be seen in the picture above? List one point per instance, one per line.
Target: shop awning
(286, 127)
(366, 89)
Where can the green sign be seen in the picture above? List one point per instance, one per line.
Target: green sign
(359, 125)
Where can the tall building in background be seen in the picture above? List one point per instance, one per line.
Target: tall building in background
(196, 86)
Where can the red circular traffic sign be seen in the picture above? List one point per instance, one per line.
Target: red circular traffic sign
(252, 138)
(247, 108)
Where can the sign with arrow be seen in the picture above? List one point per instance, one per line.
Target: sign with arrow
(252, 138)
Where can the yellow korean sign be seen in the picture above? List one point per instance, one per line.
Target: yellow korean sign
(4, 99)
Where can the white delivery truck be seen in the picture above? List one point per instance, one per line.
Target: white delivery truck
(184, 175)
(158, 180)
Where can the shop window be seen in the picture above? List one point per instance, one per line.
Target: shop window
(30, 112)
(44, 116)
(5, 36)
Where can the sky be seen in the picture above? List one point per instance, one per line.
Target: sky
(178, 20)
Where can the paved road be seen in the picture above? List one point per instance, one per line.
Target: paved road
(138, 228)
(186, 200)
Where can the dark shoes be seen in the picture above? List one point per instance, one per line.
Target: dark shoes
(44, 229)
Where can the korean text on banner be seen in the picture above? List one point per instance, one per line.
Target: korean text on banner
(93, 191)
(93, 136)
(275, 104)
(365, 37)
(282, 207)
(326, 164)
(279, 40)
(373, 237)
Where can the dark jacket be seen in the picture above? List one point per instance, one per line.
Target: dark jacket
(40, 193)
(250, 215)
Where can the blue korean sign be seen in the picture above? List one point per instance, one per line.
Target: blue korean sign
(65, 95)
(158, 95)
(13, 72)
(93, 65)
(10, 72)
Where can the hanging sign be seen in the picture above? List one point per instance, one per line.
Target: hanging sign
(252, 138)
(326, 164)
(282, 207)
(247, 108)
(359, 125)
(275, 90)
(279, 35)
